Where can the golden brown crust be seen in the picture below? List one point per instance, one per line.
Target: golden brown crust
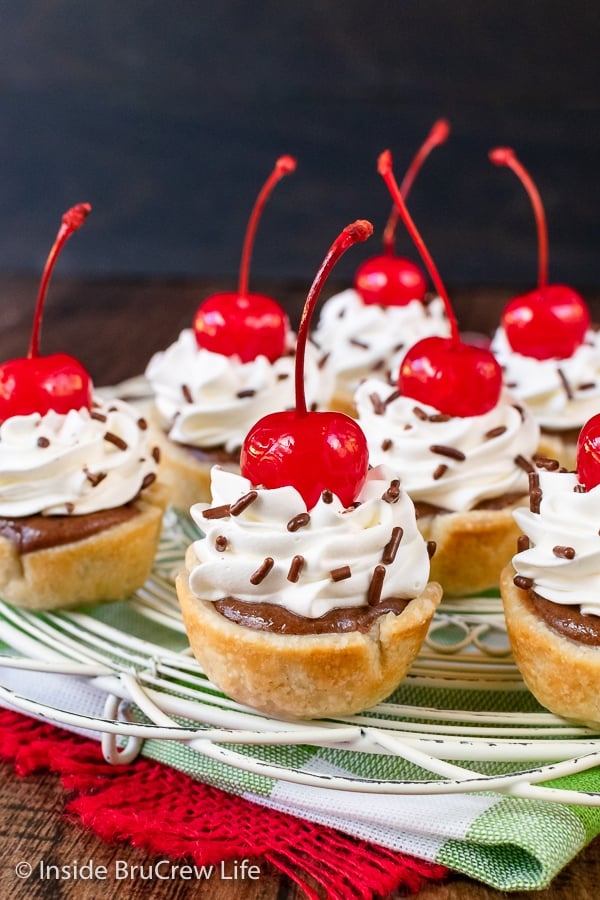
(472, 547)
(343, 401)
(306, 676)
(186, 478)
(109, 565)
(562, 674)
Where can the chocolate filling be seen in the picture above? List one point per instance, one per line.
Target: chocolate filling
(274, 618)
(566, 620)
(423, 509)
(31, 533)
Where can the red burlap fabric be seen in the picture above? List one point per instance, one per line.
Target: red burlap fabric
(166, 812)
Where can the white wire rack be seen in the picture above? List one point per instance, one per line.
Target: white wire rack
(462, 721)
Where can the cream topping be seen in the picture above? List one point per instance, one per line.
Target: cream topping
(362, 338)
(563, 560)
(330, 539)
(561, 393)
(74, 463)
(450, 462)
(205, 399)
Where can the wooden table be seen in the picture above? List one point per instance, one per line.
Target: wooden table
(113, 327)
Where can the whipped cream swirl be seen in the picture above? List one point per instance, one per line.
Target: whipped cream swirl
(74, 463)
(206, 399)
(363, 338)
(329, 541)
(563, 560)
(448, 461)
(561, 393)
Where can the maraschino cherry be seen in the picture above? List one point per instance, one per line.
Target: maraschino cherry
(245, 324)
(312, 451)
(37, 384)
(549, 322)
(588, 453)
(457, 379)
(391, 280)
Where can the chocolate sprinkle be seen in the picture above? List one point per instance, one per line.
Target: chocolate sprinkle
(70, 507)
(221, 543)
(187, 394)
(391, 397)
(216, 512)
(142, 424)
(450, 452)
(43, 441)
(374, 592)
(262, 571)
(420, 413)
(524, 463)
(431, 548)
(298, 521)
(535, 492)
(356, 343)
(391, 548)
(156, 454)
(378, 404)
(243, 503)
(116, 440)
(545, 462)
(99, 417)
(565, 383)
(327, 497)
(149, 479)
(439, 471)
(495, 432)
(282, 376)
(564, 552)
(387, 444)
(392, 494)
(296, 567)
(521, 582)
(94, 477)
(341, 573)
(579, 489)
(247, 392)
(523, 543)
(323, 360)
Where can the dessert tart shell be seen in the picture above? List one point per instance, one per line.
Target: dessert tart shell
(561, 673)
(109, 565)
(306, 676)
(472, 547)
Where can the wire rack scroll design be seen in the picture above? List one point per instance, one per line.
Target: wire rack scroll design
(461, 722)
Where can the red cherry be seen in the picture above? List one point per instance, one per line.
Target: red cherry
(387, 279)
(312, 451)
(245, 324)
(451, 376)
(547, 323)
(40, 383)
(457, 379)
(390, 281)
(588, 453)
(248, 326)
(551, 321)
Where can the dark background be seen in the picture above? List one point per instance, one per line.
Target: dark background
(167, 117)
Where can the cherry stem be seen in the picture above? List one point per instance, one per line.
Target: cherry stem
(72, 220)
(351, 234)
(384, 167)
(285, 165)
(438, 135)
(505, 156)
